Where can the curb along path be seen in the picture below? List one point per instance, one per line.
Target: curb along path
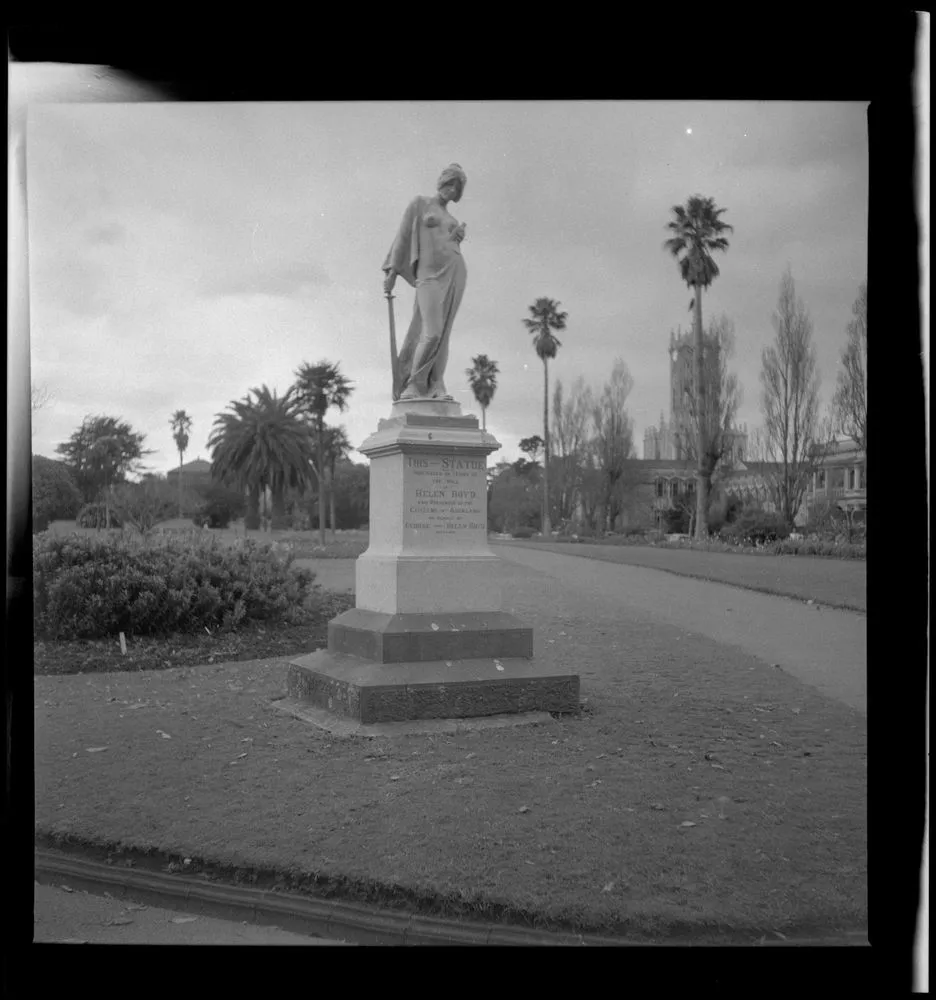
(354, 923)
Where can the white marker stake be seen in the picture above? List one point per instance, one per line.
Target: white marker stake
(123, 644)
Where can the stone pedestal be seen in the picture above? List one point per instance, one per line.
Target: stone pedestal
(427, 638)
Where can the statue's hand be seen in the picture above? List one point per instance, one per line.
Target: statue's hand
(459, 233)
(389, 282)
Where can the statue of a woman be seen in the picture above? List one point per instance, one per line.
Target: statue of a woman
(427, 253)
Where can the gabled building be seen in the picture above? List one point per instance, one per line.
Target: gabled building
(840, 478)
(194, 473)
(656, 485)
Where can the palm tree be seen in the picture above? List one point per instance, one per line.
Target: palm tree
(545, 317)
(317, 388)
(262, 443)
(337, 447)
(181, 424)
(482, 377)
(697, 232)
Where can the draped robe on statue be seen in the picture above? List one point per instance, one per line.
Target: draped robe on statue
(427, 258)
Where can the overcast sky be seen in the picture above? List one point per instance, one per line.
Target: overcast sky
(181, 254)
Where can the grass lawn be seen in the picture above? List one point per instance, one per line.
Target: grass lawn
(700, 793)
(838, 583)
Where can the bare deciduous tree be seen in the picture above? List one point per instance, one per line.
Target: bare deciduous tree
(570, 439)
(851, 393)
(40, 396)
(721, 399)
(790, 399)
(613, 439)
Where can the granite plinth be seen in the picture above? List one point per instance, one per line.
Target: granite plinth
(370, 693)
(428, 582)
(427, 638)
(401, 638)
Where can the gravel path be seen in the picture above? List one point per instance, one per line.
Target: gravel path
(822, 647)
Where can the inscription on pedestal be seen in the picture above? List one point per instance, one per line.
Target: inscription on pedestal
(445, 497)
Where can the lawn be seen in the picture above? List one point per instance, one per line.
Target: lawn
(839, 583)
(700, 794)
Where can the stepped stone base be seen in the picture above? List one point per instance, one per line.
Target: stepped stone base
(426, 640)
(402, 638)
(369, 692)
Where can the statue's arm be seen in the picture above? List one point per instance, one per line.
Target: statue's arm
(404, 253)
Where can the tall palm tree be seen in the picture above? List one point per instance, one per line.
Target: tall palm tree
(544, 318)
(337, 447)
(697, 233)
(181, 424)
(482, 377)
(319, 387)
(262, 443)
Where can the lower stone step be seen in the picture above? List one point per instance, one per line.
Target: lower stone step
(371, 693)
(410, 638)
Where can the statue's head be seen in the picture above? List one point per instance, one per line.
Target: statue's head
(452, 182)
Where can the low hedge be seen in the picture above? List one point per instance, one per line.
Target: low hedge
(838, 549)
(90, 587)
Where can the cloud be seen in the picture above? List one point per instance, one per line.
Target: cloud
(288, 279)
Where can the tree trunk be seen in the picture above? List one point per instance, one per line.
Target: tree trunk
(701, 443)
(252, 518)
(278, 519)
(484, 418)
(320, 456)
(180, 484)
(546, 526)
(331, 502)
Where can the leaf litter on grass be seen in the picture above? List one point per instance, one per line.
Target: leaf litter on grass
(452, 842)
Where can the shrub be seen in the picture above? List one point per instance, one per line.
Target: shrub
(233, 499)
(820, 547)
(676, 521)
(143, 505)
(55, 495)
(214, 514)
(755, 527)
(723, 512)
(826, 519)
(94, 515)
(301, 521)
(90, 587)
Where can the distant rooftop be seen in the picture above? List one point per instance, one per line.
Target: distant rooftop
(197, 465)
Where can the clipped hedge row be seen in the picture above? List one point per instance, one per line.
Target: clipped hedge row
(90, 587)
